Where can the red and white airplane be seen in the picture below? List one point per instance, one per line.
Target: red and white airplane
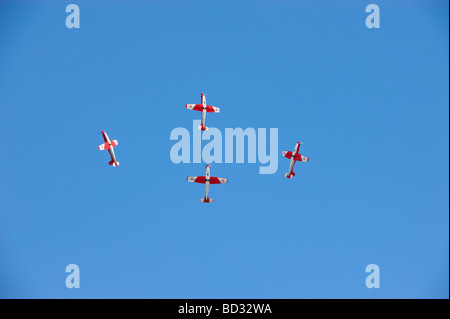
(204, 109)
(109, 145)
(295, 157)
(207, 180)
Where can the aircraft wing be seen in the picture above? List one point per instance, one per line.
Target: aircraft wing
(106, 146)
(197, 179)
(286, 154)
(218, 180)
(301, 158)
(212, 109)
(297, 157)
(195, 107)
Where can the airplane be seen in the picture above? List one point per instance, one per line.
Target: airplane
(204, 109)
(109, 145)
(207, 180)
(294, 157)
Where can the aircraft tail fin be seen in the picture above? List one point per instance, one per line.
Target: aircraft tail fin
(291, 175)
(115, 164)
(203, 128)
(206, 199)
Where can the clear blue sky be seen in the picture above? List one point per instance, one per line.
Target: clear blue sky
(371, 106)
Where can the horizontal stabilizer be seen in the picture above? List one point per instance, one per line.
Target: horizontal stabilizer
(206, 200)
(289, 175)
(115, 164)
(203, 128)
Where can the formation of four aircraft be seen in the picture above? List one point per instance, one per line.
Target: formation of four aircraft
(294, 156)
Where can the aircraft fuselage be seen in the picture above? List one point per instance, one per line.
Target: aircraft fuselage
(294, 152)
(111, 149)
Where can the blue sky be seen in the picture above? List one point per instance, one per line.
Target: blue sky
(370, 105)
